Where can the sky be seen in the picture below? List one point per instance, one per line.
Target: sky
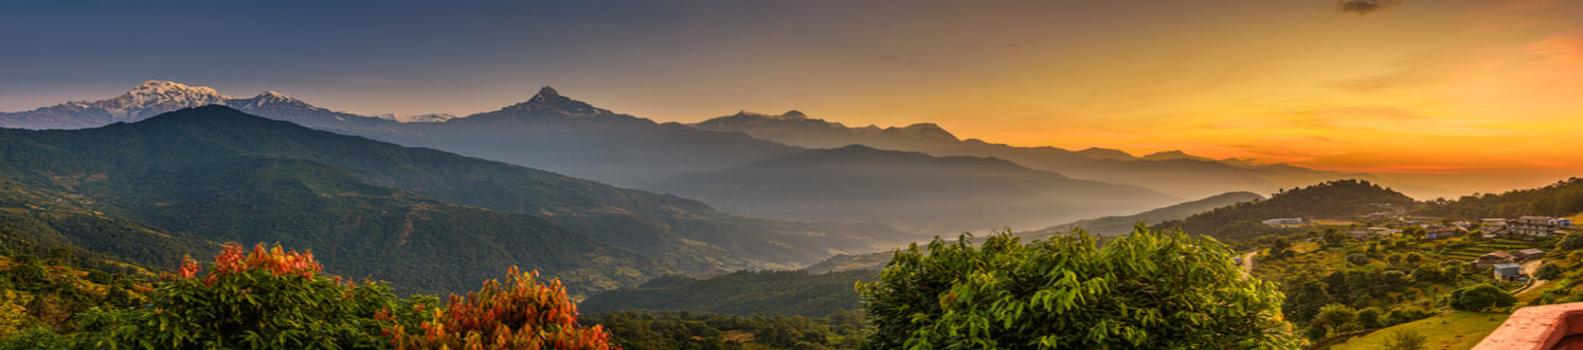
(1447, 89)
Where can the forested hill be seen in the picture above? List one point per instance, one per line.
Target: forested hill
(418, 217)
(1564, 198)
(1333, 199)
(1118, 225)
(740, 293)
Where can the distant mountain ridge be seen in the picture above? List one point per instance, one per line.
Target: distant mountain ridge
(1172, 172)
(156, 97)
(557, 133)
(1118, 225)
(908, 190)
(224, 175)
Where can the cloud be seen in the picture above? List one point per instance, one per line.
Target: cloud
(1364, 7)
(1560, 48)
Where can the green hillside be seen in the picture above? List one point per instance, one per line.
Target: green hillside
(1333, 199)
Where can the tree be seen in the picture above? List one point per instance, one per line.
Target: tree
(1335, 317)
(1570, 242)
(268, 298)
(278, 299)
(1406, 340)
(1358, 259)
(1548, 272)
(1142, 290)
(1414, 258)
(1369, 318)
(1415, 232)
(1481, 297)
(522, 312)
(1429, 274)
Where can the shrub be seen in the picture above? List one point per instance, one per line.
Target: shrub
(1405, 314)
(268, 298)
(1548, 272)
(520, 313)
(1369, 318)
(1481, 297)
(1406, 340)
(1336, 317)
(1142, 290)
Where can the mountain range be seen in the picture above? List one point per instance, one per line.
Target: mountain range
(908, 190)
(559, 134)
(215, 174)
(1171, 172)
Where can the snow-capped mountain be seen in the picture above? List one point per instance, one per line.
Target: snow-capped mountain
(417, 118)
(146, 100)
(158, 96)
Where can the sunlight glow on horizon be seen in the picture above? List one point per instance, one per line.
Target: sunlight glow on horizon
(1425, 87)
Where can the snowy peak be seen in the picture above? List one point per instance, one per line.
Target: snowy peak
(155, 97)
(550, 101)
(417, 118)
(270, 100)
(171, 89)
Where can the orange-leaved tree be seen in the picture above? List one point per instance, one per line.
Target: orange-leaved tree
(520, 313)
(263, 298)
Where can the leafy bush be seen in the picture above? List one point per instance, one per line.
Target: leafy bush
(1548, 272)
(278, 299)
(1369, 318)
(1481, 297)
(1406, 340)
(520, 313)
(1405, 314)
(1143, 290)
(266, 298)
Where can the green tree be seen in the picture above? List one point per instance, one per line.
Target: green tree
(269, 298)
(1548, 272)
(1335, 317)
(1481, 297)
(1146, 289)
(1370, 318)
(1570, 242)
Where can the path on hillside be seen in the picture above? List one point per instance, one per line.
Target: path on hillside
(1247, 262)
(1529, 268)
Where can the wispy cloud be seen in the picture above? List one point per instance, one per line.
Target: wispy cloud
(1364, 7)
(1565, 48)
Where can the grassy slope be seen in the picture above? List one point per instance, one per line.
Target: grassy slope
(1450, 330)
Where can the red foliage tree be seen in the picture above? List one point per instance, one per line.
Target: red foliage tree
(520, 313)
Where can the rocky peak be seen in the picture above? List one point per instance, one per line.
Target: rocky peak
(549, 100)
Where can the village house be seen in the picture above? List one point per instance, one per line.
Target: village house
(1494, 226)
(1508, 271)
(1438, 232)
(1538, 226)
(1530, 253)
(1493, 258)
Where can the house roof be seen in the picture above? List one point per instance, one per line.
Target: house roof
(1502, 266)
(1531, 251)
